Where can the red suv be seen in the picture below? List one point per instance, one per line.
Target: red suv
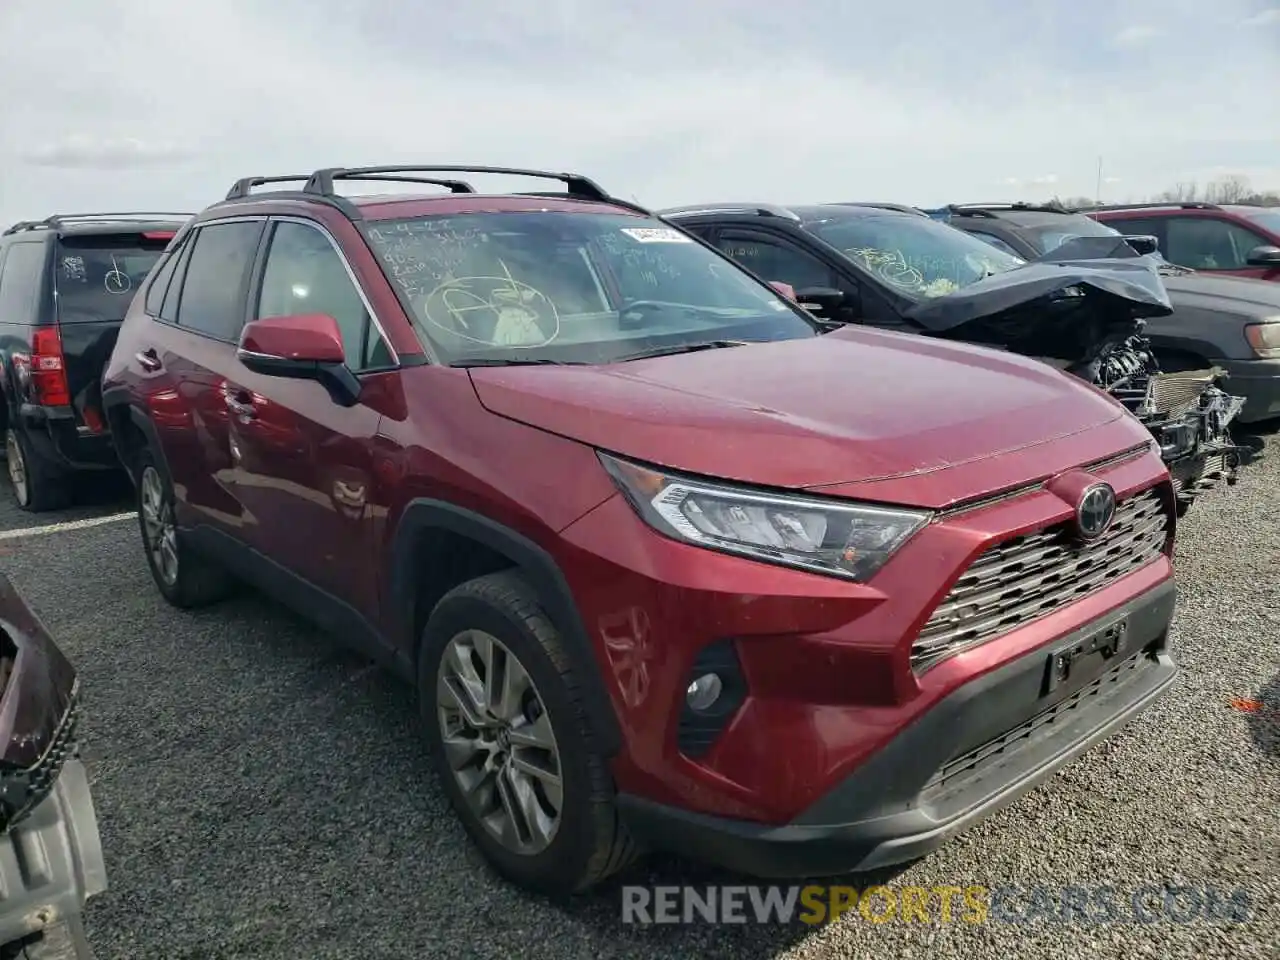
(1233, 239)
(703, 588)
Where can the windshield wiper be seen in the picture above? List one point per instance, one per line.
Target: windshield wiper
(512, 362)
(673, 349)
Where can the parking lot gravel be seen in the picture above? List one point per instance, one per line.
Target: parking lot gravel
(263, 794)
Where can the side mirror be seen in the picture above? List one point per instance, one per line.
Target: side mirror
(822, 300)
(303, 347)
(786, 289)
(1144, 245)
(1264, 256)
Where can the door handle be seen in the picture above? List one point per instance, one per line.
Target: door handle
(239, 402)
(148, 360)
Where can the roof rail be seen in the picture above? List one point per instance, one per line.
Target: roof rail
(1152, 205)
(63, 219)
(896, 207)
(759, 209)
(979, 209)
(321, 182)
(243, 187)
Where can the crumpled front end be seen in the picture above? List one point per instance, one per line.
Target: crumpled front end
(1187, 412)
(1082, 309)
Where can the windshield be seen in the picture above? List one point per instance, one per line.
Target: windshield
(1051, 238)
(1269, 220)
(572, 287)
(97, 276)
(915, 255)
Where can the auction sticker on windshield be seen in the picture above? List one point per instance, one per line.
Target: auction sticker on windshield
(656, 235)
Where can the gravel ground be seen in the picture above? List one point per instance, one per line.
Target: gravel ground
(264, 795)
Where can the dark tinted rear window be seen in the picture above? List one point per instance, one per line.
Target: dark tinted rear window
(98, 275)
(24, 267)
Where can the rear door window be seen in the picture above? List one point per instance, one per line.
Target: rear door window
(214, 288)
(97, 275)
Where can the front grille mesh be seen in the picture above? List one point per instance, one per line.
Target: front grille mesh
(1030, 576)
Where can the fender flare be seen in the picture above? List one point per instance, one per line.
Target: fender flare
(115, 397)
(423, 515)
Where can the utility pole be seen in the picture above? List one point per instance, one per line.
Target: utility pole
(1097, 193)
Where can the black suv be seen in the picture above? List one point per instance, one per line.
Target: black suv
(894, 267)
(1232, 323)
(65, 284)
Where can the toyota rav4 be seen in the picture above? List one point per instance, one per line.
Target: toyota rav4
(788, 600)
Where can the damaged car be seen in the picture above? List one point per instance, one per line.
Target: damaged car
(46, 810)
(1225, 322)
(895, 267)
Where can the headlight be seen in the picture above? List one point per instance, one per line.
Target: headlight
(1264, 337)
(832, 537)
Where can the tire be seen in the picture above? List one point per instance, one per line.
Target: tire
(63, 940)
(589, 842)
(185, 579)
(37, 485)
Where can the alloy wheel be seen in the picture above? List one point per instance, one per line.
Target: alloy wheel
(17, 466)
(499, 742)
(158, 529)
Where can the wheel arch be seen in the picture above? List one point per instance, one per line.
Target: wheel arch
(427, 527)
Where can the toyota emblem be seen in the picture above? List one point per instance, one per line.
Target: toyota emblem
(1096, 510)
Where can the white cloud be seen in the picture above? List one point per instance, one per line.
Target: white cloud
(1263, 18)
(1136, 35)
(671, 102)
(78, 151)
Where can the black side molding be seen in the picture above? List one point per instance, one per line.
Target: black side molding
(423, 515)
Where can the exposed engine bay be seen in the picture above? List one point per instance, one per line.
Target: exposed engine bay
(1186, 412)
(1087, 320)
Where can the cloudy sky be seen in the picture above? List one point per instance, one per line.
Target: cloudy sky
(163, 103)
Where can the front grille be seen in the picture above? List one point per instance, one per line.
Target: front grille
(1025, 578)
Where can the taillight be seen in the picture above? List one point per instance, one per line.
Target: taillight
(1264, 337)
(47, 370)
(158, 235)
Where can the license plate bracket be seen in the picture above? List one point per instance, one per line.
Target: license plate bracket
(1076, 662)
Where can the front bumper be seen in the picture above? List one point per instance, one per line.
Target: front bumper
(51, 861)
(1258, 381)
(976, 751)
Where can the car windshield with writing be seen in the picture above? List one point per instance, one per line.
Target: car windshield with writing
(572, 288)
(97, 275)
(916, 256)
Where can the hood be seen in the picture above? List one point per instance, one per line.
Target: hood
(855, 404)
(1062, 309)
(1239, 295)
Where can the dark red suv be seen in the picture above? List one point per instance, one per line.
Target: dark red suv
(1231, 239)
(793, 601)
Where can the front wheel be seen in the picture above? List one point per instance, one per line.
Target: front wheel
(185, 578)
(512, 742)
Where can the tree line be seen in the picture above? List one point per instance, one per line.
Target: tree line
(1233, 188)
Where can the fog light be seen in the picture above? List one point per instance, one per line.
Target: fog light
(703, 693)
